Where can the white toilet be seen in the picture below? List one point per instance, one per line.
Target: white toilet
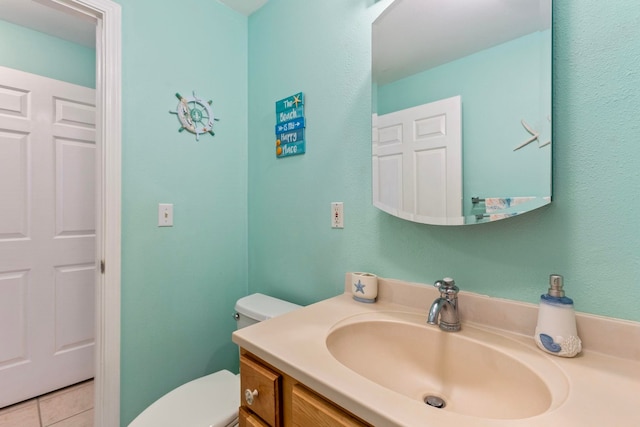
(212, 400)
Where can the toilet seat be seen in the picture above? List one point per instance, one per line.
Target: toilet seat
(210, 401)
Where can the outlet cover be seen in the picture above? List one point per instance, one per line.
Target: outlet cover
(337, 215)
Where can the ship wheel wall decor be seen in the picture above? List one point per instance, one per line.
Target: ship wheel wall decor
(195, 115)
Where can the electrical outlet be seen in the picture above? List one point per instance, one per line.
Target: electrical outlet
(337, 215)
(165, 215)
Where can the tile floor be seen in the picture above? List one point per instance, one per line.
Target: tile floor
(68, 407)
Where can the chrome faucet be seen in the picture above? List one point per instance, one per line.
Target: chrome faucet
(445, 307)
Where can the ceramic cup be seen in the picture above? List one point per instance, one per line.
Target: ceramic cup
(364, 287)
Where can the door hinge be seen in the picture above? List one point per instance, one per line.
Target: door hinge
(102, 266)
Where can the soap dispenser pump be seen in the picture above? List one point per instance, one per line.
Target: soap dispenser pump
(556, 331)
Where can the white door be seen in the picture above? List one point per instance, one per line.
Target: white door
(417, 162)
(47, 234)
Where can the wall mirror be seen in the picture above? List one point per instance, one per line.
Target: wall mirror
(461, 109)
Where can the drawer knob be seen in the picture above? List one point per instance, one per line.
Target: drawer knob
(250, 395)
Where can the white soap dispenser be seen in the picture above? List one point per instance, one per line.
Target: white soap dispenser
(556, 331)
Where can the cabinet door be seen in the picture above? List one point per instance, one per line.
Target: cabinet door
(308, 409)
(265, 385)
(247, 419)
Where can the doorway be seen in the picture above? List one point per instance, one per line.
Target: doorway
(107, 17)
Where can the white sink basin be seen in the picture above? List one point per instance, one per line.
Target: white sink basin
(476, 372)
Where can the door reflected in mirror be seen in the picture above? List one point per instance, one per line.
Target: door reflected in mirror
(462, 109)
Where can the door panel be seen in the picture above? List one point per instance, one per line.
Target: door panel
(47, 234)
(74, 306)
(417, 162)
(14, 187)
(75, 185)
(13, 295)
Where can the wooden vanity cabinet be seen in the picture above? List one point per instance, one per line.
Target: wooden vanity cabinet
(265, 385)
(249, 419)
(309, 409)
(282, 401)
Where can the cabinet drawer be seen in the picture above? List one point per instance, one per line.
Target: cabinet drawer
(309, 409)
(247, 419)
(266, 403)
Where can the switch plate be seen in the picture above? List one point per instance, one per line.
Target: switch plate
(165, 215)
(337, 215)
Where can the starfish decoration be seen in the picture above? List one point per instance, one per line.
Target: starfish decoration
(296, 100)
(359, 286)
(535, 135)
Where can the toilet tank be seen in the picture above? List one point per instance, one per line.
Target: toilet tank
(257, 307)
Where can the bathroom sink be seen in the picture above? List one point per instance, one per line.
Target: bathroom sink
(474, 372)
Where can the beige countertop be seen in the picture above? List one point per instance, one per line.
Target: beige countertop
(601, 385)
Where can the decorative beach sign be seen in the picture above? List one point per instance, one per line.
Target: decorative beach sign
(290, 126)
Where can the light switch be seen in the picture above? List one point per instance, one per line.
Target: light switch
(165, 215)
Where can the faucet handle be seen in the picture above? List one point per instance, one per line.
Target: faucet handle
(447, 287)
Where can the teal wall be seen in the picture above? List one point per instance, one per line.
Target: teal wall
(499, 87)
(323, 50)
(179, 284)
(589, 233)
(38, 53)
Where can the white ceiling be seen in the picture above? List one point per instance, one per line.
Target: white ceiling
(409, 36)
(415, 35)
(37, 15)
(246, 7)
(40, 17)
